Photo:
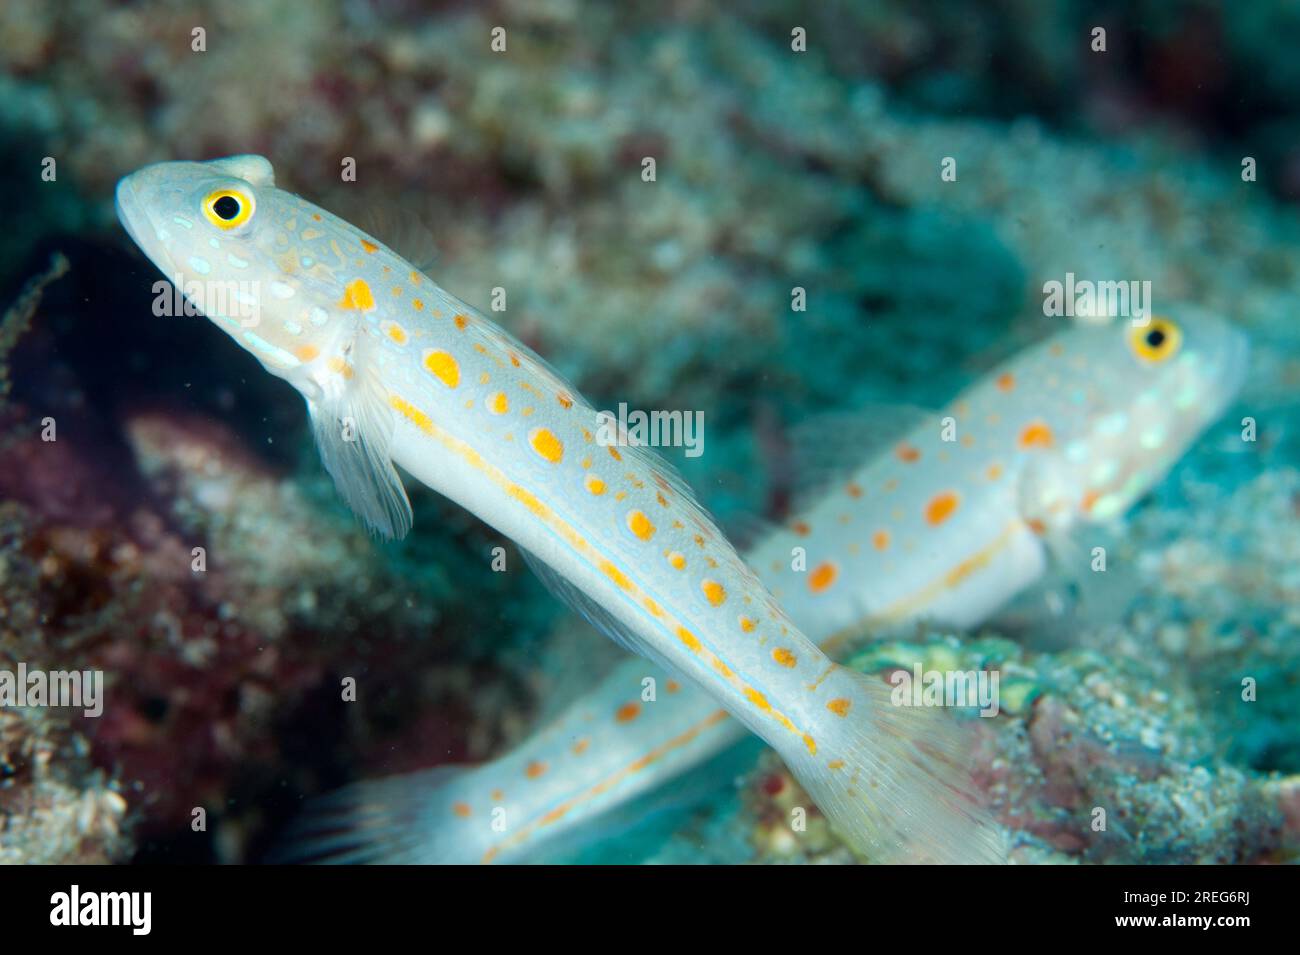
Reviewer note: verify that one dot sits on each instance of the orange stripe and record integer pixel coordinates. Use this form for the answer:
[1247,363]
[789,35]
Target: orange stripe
[606,784]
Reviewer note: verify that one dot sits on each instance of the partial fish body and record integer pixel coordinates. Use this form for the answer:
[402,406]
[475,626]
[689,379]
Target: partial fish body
[395,370]
[1068,433]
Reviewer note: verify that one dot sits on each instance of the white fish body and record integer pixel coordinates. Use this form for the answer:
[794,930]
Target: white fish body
[396,371]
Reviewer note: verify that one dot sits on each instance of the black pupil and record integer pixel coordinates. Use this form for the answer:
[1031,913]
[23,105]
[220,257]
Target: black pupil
[227,207]
[1155,338]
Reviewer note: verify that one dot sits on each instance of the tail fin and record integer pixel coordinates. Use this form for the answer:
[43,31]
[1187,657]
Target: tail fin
[895,781]
[387,821]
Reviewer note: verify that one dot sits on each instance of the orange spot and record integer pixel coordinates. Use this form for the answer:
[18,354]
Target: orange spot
[905,452]
[498,795]
[306,352]
[784,657]
[747,625]
[880,540]
[1036,435]
[994,472]
[594,485]
[514,359]
[370,247]
[613,453]
[758,699]
[535,769]
[1037,526]
[546,444]
[835,764]
[564,400]
[1006,381]
[640,525]
[415,277]
[417,305]
[580,746]
[653,607]
[672,686]
[839,706]
[616,575]
[357,295]
[628,712]
[1089,500]
[316,216]
[810,743]
[714,591]
[677,560]
[822,577]
[800,528]
[461,321]
[396,332]
[853,490]
[340,367]
[940,508]
[460,809]
[688,639]
[443,366]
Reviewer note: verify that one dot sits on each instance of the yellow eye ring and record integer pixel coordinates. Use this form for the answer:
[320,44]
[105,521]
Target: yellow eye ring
[228,208]
[1157,341]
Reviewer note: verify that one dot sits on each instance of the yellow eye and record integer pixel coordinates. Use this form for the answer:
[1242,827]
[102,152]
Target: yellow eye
[1156,341]
[228,208]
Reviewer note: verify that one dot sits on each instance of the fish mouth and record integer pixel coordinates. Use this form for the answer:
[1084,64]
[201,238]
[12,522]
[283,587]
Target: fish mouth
[135,220]
[128,209]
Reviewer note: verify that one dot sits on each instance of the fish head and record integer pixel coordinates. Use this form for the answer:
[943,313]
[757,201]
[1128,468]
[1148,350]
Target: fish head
[1125,400]
[233,244]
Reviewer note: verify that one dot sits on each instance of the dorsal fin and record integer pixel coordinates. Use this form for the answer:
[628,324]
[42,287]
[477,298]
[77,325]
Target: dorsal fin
[830,447]
[253,169]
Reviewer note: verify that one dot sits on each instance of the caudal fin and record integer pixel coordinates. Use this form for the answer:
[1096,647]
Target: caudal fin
[386,821]
[895,781]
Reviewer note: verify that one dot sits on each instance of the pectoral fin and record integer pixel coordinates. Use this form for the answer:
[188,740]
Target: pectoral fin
[353,425]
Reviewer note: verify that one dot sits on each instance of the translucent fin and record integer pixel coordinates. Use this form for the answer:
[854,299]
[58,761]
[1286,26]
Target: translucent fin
[384,821]
[591,610]
[1086,587]
[253,169]
[403,231]
[746,530]
[831,447]
[904,791]
[353,426]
